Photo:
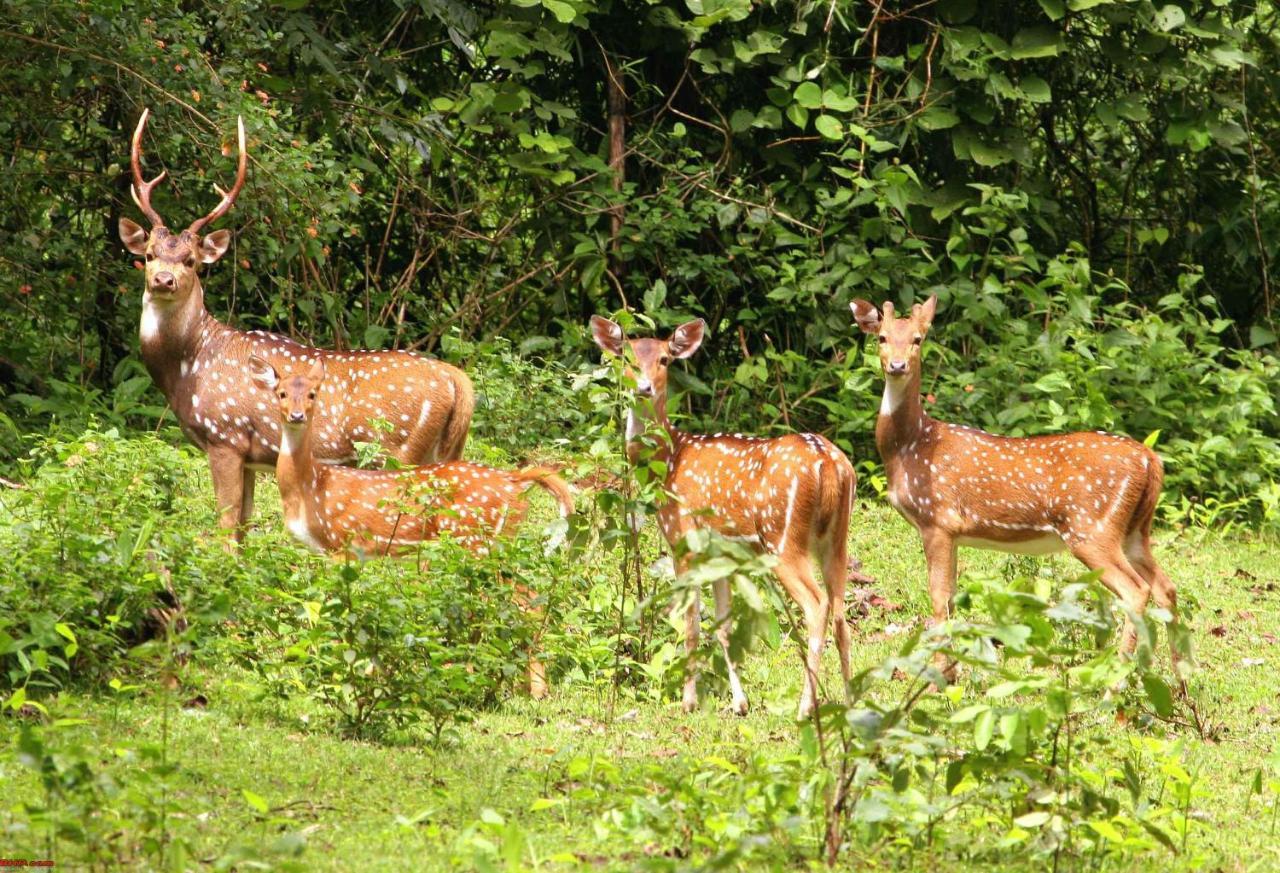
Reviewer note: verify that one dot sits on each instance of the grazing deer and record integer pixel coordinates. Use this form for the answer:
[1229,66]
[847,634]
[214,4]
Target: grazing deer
[381,512]
[787,496]
[198,363]
[1091,493]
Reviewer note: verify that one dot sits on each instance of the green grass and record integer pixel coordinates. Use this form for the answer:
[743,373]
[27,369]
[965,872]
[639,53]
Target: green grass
[410,805]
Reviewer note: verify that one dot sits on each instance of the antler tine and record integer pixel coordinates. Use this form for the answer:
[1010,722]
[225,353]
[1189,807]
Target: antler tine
[141,189]
[228,197]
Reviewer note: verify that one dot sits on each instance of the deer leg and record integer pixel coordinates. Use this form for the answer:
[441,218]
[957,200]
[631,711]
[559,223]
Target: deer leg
[537,671]
[227,467]
[692,623]
[1122,579]
[246,500]
[797,580]
[940,554]
[1138,550]
[720,588]
[835,576]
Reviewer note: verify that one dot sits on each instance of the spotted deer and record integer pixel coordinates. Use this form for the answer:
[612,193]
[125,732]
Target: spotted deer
[199,363]
[789,497]
[1093,494]
[368,513]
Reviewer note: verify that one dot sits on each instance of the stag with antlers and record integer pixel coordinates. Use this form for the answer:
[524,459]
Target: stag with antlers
[199,364]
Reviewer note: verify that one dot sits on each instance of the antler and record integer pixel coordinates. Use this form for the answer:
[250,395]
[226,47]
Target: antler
[228,197]
[141,189]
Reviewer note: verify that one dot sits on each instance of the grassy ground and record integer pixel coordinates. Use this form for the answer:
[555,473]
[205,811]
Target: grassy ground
[387,807]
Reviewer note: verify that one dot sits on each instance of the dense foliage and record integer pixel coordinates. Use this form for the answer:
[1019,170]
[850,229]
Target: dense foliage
[431,174]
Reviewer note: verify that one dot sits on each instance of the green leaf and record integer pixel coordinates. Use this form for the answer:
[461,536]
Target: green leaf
[1032,819]
[984,729]
[257,801]
[1082,5]
[1170,17]
[798,115]
[1159,694]
[938,118]
[1035,42]
[564,12]
[829,127]
[1035,89]
[808,95]
[1107,831]
[1228,56]
[1053,8]
[1260,336]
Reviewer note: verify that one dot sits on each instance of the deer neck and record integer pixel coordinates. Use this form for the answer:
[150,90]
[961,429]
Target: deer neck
[638,419]
[296,475]
[171,334]
[902,417]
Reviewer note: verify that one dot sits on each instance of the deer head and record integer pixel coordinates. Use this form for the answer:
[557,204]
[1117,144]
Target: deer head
[900,338]
[295,395]
[173,260]
[647,365]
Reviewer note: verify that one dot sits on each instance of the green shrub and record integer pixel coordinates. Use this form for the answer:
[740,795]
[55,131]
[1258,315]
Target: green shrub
[384,647]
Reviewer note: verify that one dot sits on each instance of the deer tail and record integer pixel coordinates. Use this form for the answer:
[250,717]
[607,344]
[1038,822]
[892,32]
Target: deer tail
[459,422]
[546,478]
[1145,511]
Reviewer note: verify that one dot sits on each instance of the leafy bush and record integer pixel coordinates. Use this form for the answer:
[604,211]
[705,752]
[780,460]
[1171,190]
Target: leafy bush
[1001,770]
[93,542]
[385,647]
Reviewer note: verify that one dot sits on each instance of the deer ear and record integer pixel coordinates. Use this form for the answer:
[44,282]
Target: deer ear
[686,339]
[215,245]
[866,315]
[607,334]
[133,236]
[316,374]
[263,373]
[924,311]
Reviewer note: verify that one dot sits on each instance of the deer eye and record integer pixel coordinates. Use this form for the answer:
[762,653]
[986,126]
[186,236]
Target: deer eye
[149,257]
[664,360]
[917,340]
[189,261]
[282,395]
[880,338]
[311,395]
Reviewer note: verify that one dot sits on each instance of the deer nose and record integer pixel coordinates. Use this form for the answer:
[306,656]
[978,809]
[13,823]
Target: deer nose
[644,387]
[896,368]
[297,417]
[163,280]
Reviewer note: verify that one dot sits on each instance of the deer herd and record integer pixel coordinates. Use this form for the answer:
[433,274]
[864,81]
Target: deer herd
[255,401]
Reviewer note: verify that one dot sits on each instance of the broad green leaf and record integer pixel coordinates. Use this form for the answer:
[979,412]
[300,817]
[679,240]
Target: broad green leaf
[828,127]
[1053,8]
[808,95]
[1035,42]
[1261,336]
[1036,89]
[1032,819]
[1170,17]
[257,801]
[984,729]
[1159,694]
[938,118]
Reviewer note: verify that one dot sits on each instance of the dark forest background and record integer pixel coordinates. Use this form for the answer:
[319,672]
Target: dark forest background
[1088,185]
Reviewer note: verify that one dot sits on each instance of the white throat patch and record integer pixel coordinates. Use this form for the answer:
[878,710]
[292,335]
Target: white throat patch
[895,391]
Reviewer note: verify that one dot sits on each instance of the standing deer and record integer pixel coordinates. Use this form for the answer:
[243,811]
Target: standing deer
[198,363]
[380,512]
[1091,493]
[788,496]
